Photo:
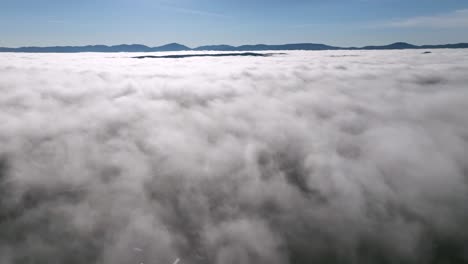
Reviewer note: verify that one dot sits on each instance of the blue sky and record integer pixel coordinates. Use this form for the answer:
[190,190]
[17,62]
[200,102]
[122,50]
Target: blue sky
[199,22]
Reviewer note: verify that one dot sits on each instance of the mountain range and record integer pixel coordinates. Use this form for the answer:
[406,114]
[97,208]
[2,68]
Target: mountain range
[259,47]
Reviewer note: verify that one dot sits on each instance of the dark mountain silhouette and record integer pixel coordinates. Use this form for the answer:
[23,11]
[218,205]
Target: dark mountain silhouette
[446,46]
[171,47]
[129,48]
[98,48]
[258,47]
[397,45]
[217,48]
[300,46]
[89,48]
[244,54]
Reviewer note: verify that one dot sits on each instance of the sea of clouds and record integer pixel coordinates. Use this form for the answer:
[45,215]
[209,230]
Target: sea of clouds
[304,157]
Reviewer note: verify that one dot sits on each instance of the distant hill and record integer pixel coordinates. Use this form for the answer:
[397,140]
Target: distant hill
[171,47]
[98,48]
[72,49]
[394,46]
[258,47]
[447,46]
[217,48]
[300,46]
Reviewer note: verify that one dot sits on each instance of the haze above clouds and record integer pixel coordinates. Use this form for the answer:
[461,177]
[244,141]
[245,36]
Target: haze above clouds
[308,157]
[456,19]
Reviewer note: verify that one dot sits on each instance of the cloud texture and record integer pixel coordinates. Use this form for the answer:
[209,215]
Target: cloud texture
[309,157]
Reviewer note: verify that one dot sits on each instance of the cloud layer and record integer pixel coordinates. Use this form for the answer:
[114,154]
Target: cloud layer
[309,157]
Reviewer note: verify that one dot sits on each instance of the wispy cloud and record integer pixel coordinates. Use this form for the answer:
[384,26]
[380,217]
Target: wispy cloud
[65,22]
[198,12]
[456,19]
[191,11]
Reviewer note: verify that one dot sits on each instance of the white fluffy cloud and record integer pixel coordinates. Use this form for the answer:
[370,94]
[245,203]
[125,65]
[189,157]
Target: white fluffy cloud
[336,157]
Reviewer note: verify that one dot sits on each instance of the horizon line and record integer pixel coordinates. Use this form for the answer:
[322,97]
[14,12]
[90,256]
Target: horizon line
[223,44]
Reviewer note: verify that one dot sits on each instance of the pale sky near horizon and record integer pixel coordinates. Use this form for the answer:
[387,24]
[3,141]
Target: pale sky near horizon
[202,22]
